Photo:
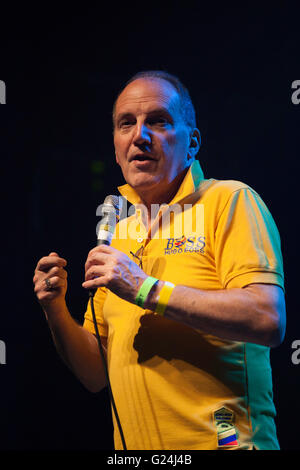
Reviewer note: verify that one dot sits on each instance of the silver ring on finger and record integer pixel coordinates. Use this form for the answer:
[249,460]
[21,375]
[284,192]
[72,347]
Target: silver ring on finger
[48,284]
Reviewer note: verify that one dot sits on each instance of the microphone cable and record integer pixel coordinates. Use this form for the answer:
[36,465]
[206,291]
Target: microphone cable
[91,296]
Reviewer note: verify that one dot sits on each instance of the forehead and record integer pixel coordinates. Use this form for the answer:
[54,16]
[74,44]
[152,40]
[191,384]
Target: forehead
[145,95]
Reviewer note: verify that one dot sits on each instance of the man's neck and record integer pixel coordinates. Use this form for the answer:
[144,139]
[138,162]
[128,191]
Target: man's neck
[157,198]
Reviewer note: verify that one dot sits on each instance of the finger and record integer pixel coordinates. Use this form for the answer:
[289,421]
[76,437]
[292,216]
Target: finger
[94,283]
[47,262]
[55,282]
[102,249]
[44,293]
[97,258]
[57,271]
[94,271]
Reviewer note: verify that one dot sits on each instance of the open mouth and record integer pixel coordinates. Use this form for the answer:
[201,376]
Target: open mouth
[141,158]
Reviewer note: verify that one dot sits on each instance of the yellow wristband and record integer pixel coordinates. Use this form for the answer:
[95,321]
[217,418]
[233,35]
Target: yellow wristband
[163,297]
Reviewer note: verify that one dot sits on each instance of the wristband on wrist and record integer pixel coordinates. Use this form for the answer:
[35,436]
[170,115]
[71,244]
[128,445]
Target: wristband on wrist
[144,290]
[163,297]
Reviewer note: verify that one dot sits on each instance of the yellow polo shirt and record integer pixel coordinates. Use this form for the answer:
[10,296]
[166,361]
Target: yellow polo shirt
[176,387]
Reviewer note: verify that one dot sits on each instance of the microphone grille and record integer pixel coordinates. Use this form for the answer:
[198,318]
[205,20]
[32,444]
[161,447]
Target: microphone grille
[116,202]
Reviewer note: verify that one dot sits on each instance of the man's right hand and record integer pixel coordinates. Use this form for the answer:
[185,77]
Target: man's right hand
[50,280]
[76,345]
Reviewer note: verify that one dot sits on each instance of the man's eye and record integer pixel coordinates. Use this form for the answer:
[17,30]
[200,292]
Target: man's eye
[160,121]
[125,123]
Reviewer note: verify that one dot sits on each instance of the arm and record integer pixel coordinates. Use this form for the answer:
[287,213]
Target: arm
[77,347]
[255,313]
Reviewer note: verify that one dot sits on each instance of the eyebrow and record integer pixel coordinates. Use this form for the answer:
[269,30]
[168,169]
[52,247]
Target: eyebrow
[153,113]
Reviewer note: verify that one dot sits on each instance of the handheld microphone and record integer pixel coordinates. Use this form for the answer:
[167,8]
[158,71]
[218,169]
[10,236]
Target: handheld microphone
[110,211]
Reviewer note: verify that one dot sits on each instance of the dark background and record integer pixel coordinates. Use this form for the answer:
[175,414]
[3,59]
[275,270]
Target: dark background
[62,69]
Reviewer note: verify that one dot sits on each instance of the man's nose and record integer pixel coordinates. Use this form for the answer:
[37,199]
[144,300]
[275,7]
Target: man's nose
[142,135]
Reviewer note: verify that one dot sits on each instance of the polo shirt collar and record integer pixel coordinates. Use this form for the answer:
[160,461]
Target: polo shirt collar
[189,185]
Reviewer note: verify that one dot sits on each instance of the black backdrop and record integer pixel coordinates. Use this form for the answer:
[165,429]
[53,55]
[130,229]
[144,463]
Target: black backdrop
[62,69]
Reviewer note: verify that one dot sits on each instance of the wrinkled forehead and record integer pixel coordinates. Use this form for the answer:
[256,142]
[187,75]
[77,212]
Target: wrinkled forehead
[148,94]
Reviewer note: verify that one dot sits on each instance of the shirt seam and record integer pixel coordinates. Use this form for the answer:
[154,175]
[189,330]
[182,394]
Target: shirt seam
[247,188]
[252,271]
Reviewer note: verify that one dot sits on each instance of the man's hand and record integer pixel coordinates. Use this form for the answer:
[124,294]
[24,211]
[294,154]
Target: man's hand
[108,267]
[50,280]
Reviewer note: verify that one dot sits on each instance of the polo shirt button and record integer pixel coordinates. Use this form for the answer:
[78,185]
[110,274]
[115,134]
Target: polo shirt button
[140,239]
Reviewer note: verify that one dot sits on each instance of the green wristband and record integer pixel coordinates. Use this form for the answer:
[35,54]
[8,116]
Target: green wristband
[144,290]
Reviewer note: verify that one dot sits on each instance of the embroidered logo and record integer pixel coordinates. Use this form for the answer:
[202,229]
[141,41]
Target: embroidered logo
[184,244]
[226,432]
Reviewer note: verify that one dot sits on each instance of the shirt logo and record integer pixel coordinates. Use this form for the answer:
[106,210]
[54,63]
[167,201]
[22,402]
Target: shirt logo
[184,244]
[226,433]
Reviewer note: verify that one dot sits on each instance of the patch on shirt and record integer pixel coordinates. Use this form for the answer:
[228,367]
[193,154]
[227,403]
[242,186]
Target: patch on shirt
[226,432]
[189,244]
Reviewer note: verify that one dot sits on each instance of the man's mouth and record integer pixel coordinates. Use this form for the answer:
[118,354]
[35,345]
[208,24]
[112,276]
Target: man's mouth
[141,158]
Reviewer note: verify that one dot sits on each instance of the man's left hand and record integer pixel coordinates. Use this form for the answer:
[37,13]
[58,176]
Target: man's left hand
[108,267]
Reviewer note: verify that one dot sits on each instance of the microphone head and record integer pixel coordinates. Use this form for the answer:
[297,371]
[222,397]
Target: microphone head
[115,203]
[110,211]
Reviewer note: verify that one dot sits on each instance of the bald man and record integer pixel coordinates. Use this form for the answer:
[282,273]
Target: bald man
[189,362]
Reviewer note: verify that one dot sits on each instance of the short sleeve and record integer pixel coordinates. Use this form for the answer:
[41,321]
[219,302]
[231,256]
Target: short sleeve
[247,242]
[99,299]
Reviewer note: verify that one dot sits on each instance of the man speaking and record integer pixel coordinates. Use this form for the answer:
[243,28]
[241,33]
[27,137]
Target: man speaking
[186,320]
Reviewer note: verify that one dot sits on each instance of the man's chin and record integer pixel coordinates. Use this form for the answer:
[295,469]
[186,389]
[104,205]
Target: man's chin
[142,182]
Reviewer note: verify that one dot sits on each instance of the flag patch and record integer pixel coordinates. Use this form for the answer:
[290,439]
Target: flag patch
[226,435]
[226,432]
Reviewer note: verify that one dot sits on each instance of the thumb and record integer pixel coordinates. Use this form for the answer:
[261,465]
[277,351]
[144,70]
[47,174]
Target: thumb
[53,253]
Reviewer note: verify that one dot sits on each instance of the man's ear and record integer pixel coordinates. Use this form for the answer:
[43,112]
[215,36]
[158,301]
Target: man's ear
[117,160]
[195,142]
